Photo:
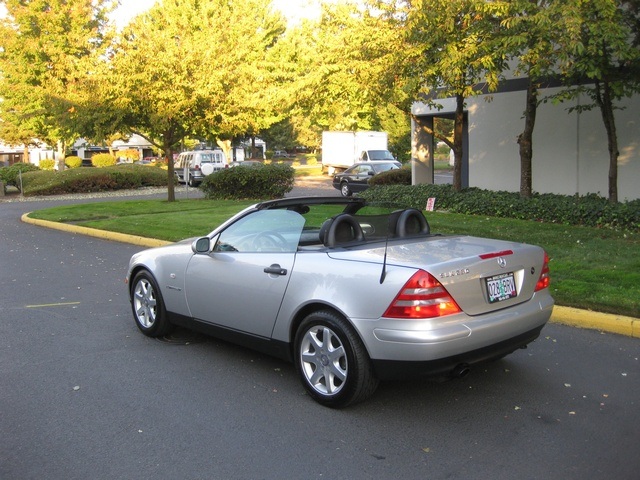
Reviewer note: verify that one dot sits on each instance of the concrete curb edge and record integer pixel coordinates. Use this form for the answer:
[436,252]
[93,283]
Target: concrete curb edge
[574,317]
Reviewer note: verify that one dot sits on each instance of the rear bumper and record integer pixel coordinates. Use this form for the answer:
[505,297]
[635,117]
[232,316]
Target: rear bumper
[398,370]
[431,347]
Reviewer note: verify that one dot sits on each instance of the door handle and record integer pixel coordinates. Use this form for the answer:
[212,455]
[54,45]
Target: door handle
[275,269]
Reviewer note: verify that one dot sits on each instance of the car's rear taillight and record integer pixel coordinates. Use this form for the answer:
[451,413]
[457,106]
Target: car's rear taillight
[543,281]
[197,167]
[422,297]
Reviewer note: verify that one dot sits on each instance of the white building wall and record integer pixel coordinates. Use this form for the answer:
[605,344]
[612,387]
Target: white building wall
[569,149]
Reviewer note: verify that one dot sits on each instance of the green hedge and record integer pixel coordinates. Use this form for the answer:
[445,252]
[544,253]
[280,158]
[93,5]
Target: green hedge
[87,180]
[11,175]
[249,182]
[590,210]
[401,176]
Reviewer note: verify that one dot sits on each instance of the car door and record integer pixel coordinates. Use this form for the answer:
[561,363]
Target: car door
[241,283]
[361,178]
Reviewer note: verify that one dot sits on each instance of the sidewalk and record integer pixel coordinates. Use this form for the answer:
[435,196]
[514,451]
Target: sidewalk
[574,317]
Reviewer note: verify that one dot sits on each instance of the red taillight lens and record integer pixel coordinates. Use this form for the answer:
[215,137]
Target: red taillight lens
[197,167]
[543,281]
[422,297]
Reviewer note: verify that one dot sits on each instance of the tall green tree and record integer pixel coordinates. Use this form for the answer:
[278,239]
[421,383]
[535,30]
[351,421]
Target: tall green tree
[44,49]
[338,65]
[529,36]
[197,68]
[599,55]
[451,51]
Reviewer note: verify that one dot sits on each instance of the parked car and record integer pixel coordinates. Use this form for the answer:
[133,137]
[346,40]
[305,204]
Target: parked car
[356,178]
[280,154]
[192,167]
[351,293]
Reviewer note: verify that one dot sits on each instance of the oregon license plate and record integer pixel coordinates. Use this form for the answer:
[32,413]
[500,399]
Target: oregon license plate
[501,287]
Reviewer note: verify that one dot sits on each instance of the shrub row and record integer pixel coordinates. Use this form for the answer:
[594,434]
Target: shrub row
[11,175]
[249,182]
[87,180]
[589,210]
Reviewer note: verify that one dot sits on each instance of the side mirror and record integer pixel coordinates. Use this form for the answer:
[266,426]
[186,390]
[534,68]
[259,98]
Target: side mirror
[201,245]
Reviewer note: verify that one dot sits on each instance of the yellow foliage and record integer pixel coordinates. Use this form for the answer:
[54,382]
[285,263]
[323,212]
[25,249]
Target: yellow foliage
[47,164]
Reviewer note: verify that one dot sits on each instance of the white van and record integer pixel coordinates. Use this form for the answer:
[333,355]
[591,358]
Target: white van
[197,164]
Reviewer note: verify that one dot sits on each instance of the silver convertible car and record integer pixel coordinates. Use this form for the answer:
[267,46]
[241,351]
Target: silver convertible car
[352,293]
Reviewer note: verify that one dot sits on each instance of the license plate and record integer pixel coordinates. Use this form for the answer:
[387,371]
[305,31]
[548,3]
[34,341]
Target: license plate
[501,287]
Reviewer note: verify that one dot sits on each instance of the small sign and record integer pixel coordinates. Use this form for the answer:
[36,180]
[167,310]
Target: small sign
[431,203]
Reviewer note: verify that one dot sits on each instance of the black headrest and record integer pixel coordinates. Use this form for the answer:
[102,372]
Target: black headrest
[411,222]
[340,230]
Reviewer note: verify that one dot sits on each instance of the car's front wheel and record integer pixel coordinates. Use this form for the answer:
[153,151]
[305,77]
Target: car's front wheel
[345,190]
[332,361]
[148,307]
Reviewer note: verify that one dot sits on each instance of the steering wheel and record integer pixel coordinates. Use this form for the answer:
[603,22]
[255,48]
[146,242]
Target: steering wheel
[269,242]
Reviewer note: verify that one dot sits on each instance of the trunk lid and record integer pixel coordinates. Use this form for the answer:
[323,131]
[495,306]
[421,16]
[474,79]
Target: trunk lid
[482,275]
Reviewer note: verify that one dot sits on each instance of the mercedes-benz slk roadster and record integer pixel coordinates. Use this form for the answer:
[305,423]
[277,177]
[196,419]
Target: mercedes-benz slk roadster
[352,293]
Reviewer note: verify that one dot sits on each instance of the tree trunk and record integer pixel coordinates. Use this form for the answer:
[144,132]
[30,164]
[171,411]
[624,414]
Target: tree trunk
[605,102]
[171,177]
[457,143]
[525,140]
[61,148]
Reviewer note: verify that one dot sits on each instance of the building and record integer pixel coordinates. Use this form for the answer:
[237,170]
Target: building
[570,153]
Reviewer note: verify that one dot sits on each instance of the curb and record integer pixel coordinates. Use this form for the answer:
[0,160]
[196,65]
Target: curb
[570,316]
[93,232]
[605,322]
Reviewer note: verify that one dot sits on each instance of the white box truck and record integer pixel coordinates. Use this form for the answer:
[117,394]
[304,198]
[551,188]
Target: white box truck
[340,150]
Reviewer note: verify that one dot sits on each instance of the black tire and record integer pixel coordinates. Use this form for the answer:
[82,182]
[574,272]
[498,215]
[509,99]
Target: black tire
[345,190]
[332,362]
[192,182]
[148,307]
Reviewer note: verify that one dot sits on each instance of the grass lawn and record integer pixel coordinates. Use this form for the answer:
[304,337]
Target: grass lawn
[591,268]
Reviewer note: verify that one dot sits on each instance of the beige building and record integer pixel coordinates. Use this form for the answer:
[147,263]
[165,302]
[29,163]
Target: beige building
[570,153]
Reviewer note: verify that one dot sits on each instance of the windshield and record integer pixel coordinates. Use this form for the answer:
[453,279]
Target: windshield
[380,155]
[384,167]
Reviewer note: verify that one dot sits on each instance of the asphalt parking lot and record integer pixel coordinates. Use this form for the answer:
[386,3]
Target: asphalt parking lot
[84,395]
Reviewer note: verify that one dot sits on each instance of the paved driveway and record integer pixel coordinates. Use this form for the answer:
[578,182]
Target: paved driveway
[84,395]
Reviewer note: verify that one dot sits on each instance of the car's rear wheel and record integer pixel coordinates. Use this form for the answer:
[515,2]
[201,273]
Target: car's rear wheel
[345,190]
[148,307]
[192,182]
[332,362]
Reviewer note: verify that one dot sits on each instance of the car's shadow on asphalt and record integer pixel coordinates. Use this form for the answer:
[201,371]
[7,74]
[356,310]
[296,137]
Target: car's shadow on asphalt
[497,387]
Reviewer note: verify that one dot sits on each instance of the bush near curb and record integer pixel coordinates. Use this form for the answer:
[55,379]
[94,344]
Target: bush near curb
[101,160]
[589,210]
[90,180]
[255,182]
[73,162]
[10,176]
[47,164]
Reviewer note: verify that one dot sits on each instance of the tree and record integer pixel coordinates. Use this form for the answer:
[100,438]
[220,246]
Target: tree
[338,66]
[196,68]
[450,52]
[44,49]
[529,35]
[599,56]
